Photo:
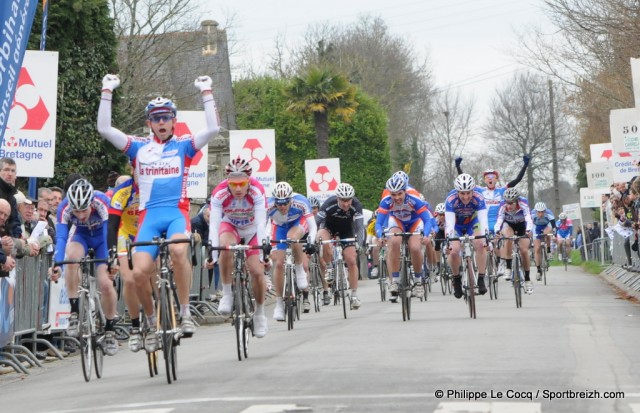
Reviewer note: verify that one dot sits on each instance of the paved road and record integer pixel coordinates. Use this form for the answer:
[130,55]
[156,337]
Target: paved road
[573,335]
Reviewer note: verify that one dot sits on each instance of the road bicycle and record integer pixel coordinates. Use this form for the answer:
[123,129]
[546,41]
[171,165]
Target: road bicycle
[167,304]
[340,286]
[383,273]
[517,277]
[562,254]
[91,318]
[316,288]
[492,273]
[244,304]
[406,284]
[544,257]
[467,271]
[291,294]
[444,271]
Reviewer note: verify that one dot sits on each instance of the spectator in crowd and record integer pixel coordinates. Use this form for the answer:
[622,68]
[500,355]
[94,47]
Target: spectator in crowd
[578,242]
[112,182]
[7,191]
[44,214]
[7,261]
[26,208]
[200,226]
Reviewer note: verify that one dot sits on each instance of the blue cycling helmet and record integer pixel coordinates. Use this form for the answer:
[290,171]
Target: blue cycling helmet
[160,105]
[402,175]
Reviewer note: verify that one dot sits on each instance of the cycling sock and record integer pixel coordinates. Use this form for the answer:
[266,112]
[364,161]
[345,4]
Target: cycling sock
[526,275]
[259,309]
[109,325]
[279,301]
[419,275]
[185,310]
[75,308]
[395,275]
[305,295]
[299,269]
[509,262]
[354,293]
[539,268]
[135,322]
[151,321]
[226,289]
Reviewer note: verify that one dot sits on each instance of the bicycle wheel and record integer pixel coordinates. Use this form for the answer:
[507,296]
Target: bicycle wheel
[490,274]
[249,310]
[382,280]
[166,333]
[85,334]
[404,290]
[288,297]
[544,265]
[152,362]
[316,287]
[471,282]
[97,349]
[517,281]
[238,316]
[342,287]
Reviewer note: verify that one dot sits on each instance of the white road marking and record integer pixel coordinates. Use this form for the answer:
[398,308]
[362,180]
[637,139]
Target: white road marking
[488,407]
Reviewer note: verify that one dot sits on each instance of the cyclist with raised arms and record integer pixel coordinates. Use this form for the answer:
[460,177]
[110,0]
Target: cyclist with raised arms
[239,212]
[161,164]
[291,218]
[341,215]
[544,222]
[492,194]
[88,212]
[466,214]
[403,212]
[514,218]
[564,233]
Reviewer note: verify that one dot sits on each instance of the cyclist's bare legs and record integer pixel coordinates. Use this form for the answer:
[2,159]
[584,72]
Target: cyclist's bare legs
[415,248]
[326,253]
[454,258]
[74,251]
[182,271]
[256,270]
[143,269]
[277,256]
[349,255]
[108,297]
[481,256]
[393,250]
[130,294]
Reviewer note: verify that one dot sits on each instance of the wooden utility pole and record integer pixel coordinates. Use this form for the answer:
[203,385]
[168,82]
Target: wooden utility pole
[554,152]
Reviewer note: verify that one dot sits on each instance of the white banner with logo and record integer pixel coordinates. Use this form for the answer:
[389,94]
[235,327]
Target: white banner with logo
[189,123]
[591,198]
[625,132]
[599,175]
[322,177]
[572,211]
[259,148]
[623,164]
[59,308]
[635,77]
[30,136]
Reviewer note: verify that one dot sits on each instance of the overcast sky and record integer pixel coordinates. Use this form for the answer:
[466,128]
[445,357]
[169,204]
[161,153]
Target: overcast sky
[466,40]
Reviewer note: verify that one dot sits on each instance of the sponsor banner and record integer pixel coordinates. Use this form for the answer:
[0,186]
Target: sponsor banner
[16,18]
[623,164]
[635,77]
[591,198]
[322,177]
[30,137]
[625,132]
[259,148]
[189,123]
[59,308]
[599,175]
[572,211]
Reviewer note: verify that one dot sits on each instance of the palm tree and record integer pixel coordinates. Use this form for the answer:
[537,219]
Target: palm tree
[322,92]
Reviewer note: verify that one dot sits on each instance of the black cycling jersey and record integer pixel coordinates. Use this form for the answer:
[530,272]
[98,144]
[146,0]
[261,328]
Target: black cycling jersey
[338,221]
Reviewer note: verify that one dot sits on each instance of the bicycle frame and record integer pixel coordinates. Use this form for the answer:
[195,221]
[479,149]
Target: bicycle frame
[468,273]
[341,280]
[290,292]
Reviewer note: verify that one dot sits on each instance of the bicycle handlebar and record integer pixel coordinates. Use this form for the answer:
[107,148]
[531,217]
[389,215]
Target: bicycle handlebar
[160,242]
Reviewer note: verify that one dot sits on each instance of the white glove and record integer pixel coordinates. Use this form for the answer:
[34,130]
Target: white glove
[110,82]
[203,83]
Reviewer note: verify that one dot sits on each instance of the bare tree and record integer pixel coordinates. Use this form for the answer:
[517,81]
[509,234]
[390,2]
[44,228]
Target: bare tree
[520,124]
[384,66]
[161,47]
[449,132]
[588,51]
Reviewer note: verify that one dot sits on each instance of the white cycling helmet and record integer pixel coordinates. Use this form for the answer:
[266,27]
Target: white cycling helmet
[562,216]
[440,209]
[80,194]
[315,202]
[540,207]
[511,195]
[396,183]
[160,105]
[282,190]
[402,175]
[464,182]
[345,191]
[238,168]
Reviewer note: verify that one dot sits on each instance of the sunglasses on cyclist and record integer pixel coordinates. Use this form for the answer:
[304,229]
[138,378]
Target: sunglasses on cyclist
[238,184]
[510,202]
[160,118]
[283,202]
[344,199]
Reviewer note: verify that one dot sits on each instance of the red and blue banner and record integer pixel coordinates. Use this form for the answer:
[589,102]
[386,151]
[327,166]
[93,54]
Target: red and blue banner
[16,18]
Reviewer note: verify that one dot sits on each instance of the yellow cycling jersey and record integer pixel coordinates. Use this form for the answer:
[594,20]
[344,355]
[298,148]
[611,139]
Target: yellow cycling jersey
[125,202]
[371,228]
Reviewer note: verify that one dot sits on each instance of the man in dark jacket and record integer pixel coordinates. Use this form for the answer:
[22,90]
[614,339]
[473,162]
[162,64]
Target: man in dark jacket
[7,191]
